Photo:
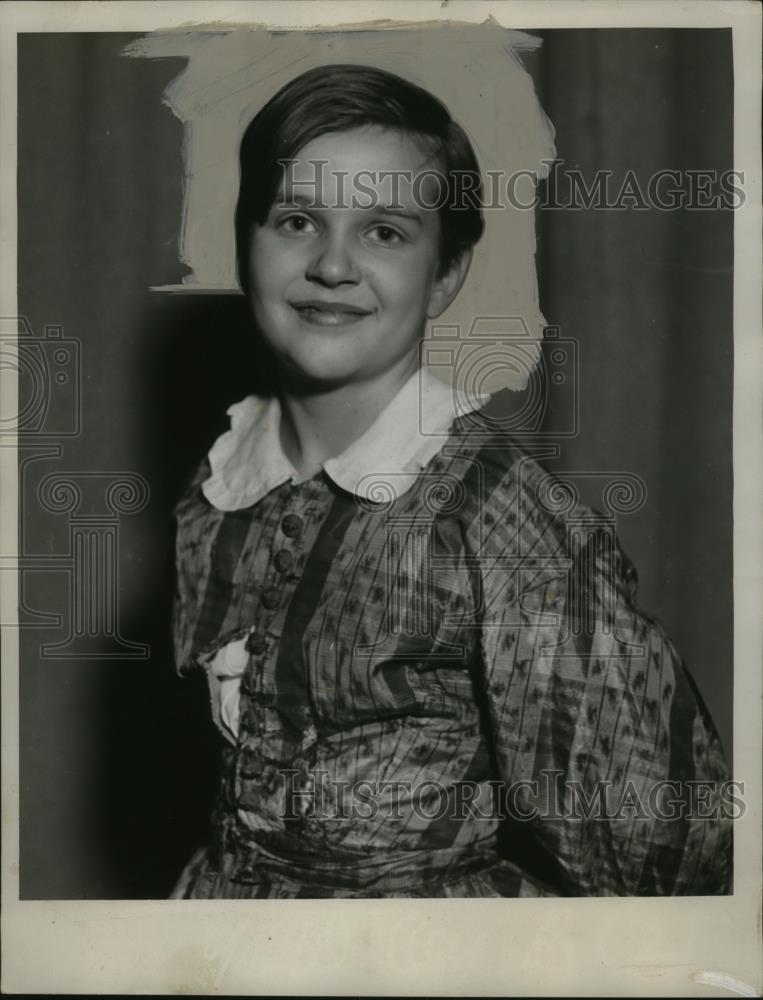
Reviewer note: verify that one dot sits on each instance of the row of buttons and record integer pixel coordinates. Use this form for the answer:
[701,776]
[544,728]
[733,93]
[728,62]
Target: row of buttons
[291,526]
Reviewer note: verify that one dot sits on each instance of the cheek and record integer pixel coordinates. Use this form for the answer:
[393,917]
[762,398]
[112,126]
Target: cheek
[269,268]
[408,280]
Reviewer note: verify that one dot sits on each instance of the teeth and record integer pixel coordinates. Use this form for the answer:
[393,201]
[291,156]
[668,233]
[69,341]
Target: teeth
[328,317]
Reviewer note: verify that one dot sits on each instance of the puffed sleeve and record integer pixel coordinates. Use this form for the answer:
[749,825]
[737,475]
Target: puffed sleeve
[612,775]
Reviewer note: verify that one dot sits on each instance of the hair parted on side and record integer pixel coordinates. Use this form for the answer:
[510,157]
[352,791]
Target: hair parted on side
[340,98]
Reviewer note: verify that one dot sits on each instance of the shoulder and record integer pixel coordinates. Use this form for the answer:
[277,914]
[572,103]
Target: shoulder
[190,492]
[516,509]
[223,473]
[506,487]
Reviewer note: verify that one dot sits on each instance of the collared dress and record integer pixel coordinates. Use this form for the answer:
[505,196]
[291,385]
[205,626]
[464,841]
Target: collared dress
[432,677]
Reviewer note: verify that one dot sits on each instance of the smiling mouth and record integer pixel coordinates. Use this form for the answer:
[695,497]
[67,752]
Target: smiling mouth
[329,313]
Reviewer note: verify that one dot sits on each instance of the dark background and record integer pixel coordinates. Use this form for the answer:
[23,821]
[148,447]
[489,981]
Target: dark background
[117,755]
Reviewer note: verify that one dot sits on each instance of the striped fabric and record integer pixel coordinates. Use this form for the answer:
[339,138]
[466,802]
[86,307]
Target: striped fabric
[449,691]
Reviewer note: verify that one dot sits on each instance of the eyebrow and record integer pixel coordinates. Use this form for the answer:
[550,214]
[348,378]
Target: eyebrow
[285,199]
[394,210]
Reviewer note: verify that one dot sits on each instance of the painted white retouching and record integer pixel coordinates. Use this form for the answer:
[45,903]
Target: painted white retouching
[489,338]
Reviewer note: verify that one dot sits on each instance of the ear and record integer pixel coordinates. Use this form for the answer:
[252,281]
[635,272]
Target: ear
[448,284]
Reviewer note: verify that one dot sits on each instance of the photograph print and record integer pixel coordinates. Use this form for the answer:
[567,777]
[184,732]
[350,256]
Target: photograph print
[375,462]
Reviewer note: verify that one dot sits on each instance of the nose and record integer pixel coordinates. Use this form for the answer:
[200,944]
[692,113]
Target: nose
[333,263]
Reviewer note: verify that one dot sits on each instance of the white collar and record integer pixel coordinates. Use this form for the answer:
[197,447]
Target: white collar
[247,462]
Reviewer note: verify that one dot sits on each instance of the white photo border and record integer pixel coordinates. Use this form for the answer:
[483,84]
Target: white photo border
[695,946]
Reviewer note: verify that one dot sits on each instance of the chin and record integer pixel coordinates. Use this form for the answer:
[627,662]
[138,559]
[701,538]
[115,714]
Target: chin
[325,373]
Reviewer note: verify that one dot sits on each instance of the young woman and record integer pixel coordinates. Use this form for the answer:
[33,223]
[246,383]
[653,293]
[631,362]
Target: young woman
[428,683]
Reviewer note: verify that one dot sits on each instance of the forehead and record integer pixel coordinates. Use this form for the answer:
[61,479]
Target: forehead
[389,163]
[367,149]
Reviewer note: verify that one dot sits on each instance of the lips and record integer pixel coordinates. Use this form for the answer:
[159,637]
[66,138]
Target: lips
[319,313]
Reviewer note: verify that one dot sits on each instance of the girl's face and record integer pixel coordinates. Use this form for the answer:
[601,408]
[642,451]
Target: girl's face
[345,272]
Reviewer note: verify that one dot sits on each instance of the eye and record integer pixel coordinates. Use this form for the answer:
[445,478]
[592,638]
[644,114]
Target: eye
[386,235]
[297,224]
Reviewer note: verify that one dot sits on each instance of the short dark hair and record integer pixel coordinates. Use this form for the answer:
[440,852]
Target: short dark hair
[339,98]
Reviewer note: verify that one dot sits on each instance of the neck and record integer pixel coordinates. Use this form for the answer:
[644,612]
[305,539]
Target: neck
[320,423]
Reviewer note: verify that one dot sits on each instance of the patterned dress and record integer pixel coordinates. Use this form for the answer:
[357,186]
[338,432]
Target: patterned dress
[435,683]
